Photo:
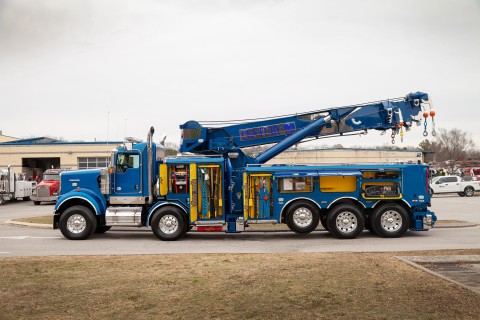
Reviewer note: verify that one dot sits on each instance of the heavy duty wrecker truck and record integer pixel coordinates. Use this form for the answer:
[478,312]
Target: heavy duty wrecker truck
[215,186]
[15,186]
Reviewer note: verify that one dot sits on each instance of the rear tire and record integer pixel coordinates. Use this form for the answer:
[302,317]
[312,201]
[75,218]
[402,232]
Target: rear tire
[169,224]
[389,221]
[345,221]
[77,223]
[302,217]
[469,192]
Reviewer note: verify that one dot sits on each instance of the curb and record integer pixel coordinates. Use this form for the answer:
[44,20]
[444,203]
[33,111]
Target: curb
[28,224]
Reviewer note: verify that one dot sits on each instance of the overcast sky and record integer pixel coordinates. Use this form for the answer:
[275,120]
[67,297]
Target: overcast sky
[103,69]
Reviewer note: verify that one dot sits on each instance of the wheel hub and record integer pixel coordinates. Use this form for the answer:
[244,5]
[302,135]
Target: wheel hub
[391,221]
[302,217]
[76,223]
[168,224]
[346,222]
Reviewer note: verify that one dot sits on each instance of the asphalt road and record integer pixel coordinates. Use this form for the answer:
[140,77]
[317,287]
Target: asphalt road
[22,241]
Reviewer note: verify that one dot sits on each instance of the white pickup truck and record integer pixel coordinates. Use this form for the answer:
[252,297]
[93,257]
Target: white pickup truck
[454,184]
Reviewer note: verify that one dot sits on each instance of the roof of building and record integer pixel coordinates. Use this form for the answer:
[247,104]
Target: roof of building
[50,141]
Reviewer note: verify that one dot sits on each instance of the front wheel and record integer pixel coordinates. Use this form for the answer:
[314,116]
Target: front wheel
[345,221]
[78,223]
[461,194]
[302,217]
[469,192]
[389,221]
[169,224]
[36,203]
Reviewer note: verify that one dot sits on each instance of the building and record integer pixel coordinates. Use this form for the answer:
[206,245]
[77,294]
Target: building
[35,155]
[348,155]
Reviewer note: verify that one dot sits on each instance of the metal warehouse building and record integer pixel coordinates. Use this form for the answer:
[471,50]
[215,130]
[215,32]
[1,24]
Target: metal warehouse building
[348,155]
[33,156]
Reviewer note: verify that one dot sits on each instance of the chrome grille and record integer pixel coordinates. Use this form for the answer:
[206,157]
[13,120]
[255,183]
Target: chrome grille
[43,191]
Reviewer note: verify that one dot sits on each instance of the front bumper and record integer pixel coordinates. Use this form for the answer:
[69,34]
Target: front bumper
[38,198]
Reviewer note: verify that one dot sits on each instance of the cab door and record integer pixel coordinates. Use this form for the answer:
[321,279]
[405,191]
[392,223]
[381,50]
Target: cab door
[206,192]
[128,174]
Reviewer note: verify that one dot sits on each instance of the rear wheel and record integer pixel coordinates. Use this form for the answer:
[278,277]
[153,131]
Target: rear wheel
[389,221]
[469,192]
[77,223]
[345,221]
[169,224]
[302,217]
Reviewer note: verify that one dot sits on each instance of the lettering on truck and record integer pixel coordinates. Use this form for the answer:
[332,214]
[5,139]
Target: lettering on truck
[272,130]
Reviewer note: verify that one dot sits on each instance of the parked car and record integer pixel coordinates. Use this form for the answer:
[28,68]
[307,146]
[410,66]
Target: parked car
[454,184]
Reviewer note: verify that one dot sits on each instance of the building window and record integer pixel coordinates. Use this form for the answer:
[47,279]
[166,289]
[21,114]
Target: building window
[93,162]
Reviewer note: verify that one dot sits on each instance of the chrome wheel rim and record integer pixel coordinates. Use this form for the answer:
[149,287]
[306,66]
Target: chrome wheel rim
[76,223]
[391,221]
[168,224]
[302,217]
[469,192]
[346,222]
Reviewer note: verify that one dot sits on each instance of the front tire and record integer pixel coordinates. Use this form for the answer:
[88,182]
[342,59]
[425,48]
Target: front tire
[345,221]
[77,223]
[302,217]
[169,224]
[389,221]
[36,203]
[469,192]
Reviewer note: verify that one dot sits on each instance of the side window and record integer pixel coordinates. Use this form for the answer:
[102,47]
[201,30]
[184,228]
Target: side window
[126,161]
[451,179]
[287,185]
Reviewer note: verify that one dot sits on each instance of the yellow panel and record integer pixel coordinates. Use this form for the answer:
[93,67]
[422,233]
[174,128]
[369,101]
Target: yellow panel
[245,197]
[163,180]
[338,184]
[193,193]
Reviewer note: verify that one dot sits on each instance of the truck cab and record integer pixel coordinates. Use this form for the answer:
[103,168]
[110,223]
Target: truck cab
[49,188]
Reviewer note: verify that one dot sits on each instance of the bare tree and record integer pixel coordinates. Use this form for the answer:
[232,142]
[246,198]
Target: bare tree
[453,144]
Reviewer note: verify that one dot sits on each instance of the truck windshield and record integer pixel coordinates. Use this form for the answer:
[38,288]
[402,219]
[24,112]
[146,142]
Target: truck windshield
[51,177]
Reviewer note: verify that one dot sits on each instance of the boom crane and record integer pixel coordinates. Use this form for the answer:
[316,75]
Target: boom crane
[286,131]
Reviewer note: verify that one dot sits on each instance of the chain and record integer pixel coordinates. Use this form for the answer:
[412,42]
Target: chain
[434,133]
[425,132]
[393,136]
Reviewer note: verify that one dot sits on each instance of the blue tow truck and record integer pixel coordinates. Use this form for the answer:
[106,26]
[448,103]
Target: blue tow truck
[215,186]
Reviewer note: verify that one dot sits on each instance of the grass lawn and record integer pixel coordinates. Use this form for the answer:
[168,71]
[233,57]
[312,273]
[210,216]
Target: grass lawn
[230,286]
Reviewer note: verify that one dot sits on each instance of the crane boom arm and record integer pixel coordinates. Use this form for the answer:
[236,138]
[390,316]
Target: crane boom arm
[289,130]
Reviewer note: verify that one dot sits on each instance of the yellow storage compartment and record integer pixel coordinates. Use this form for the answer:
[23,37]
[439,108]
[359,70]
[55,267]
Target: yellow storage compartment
[338,184]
